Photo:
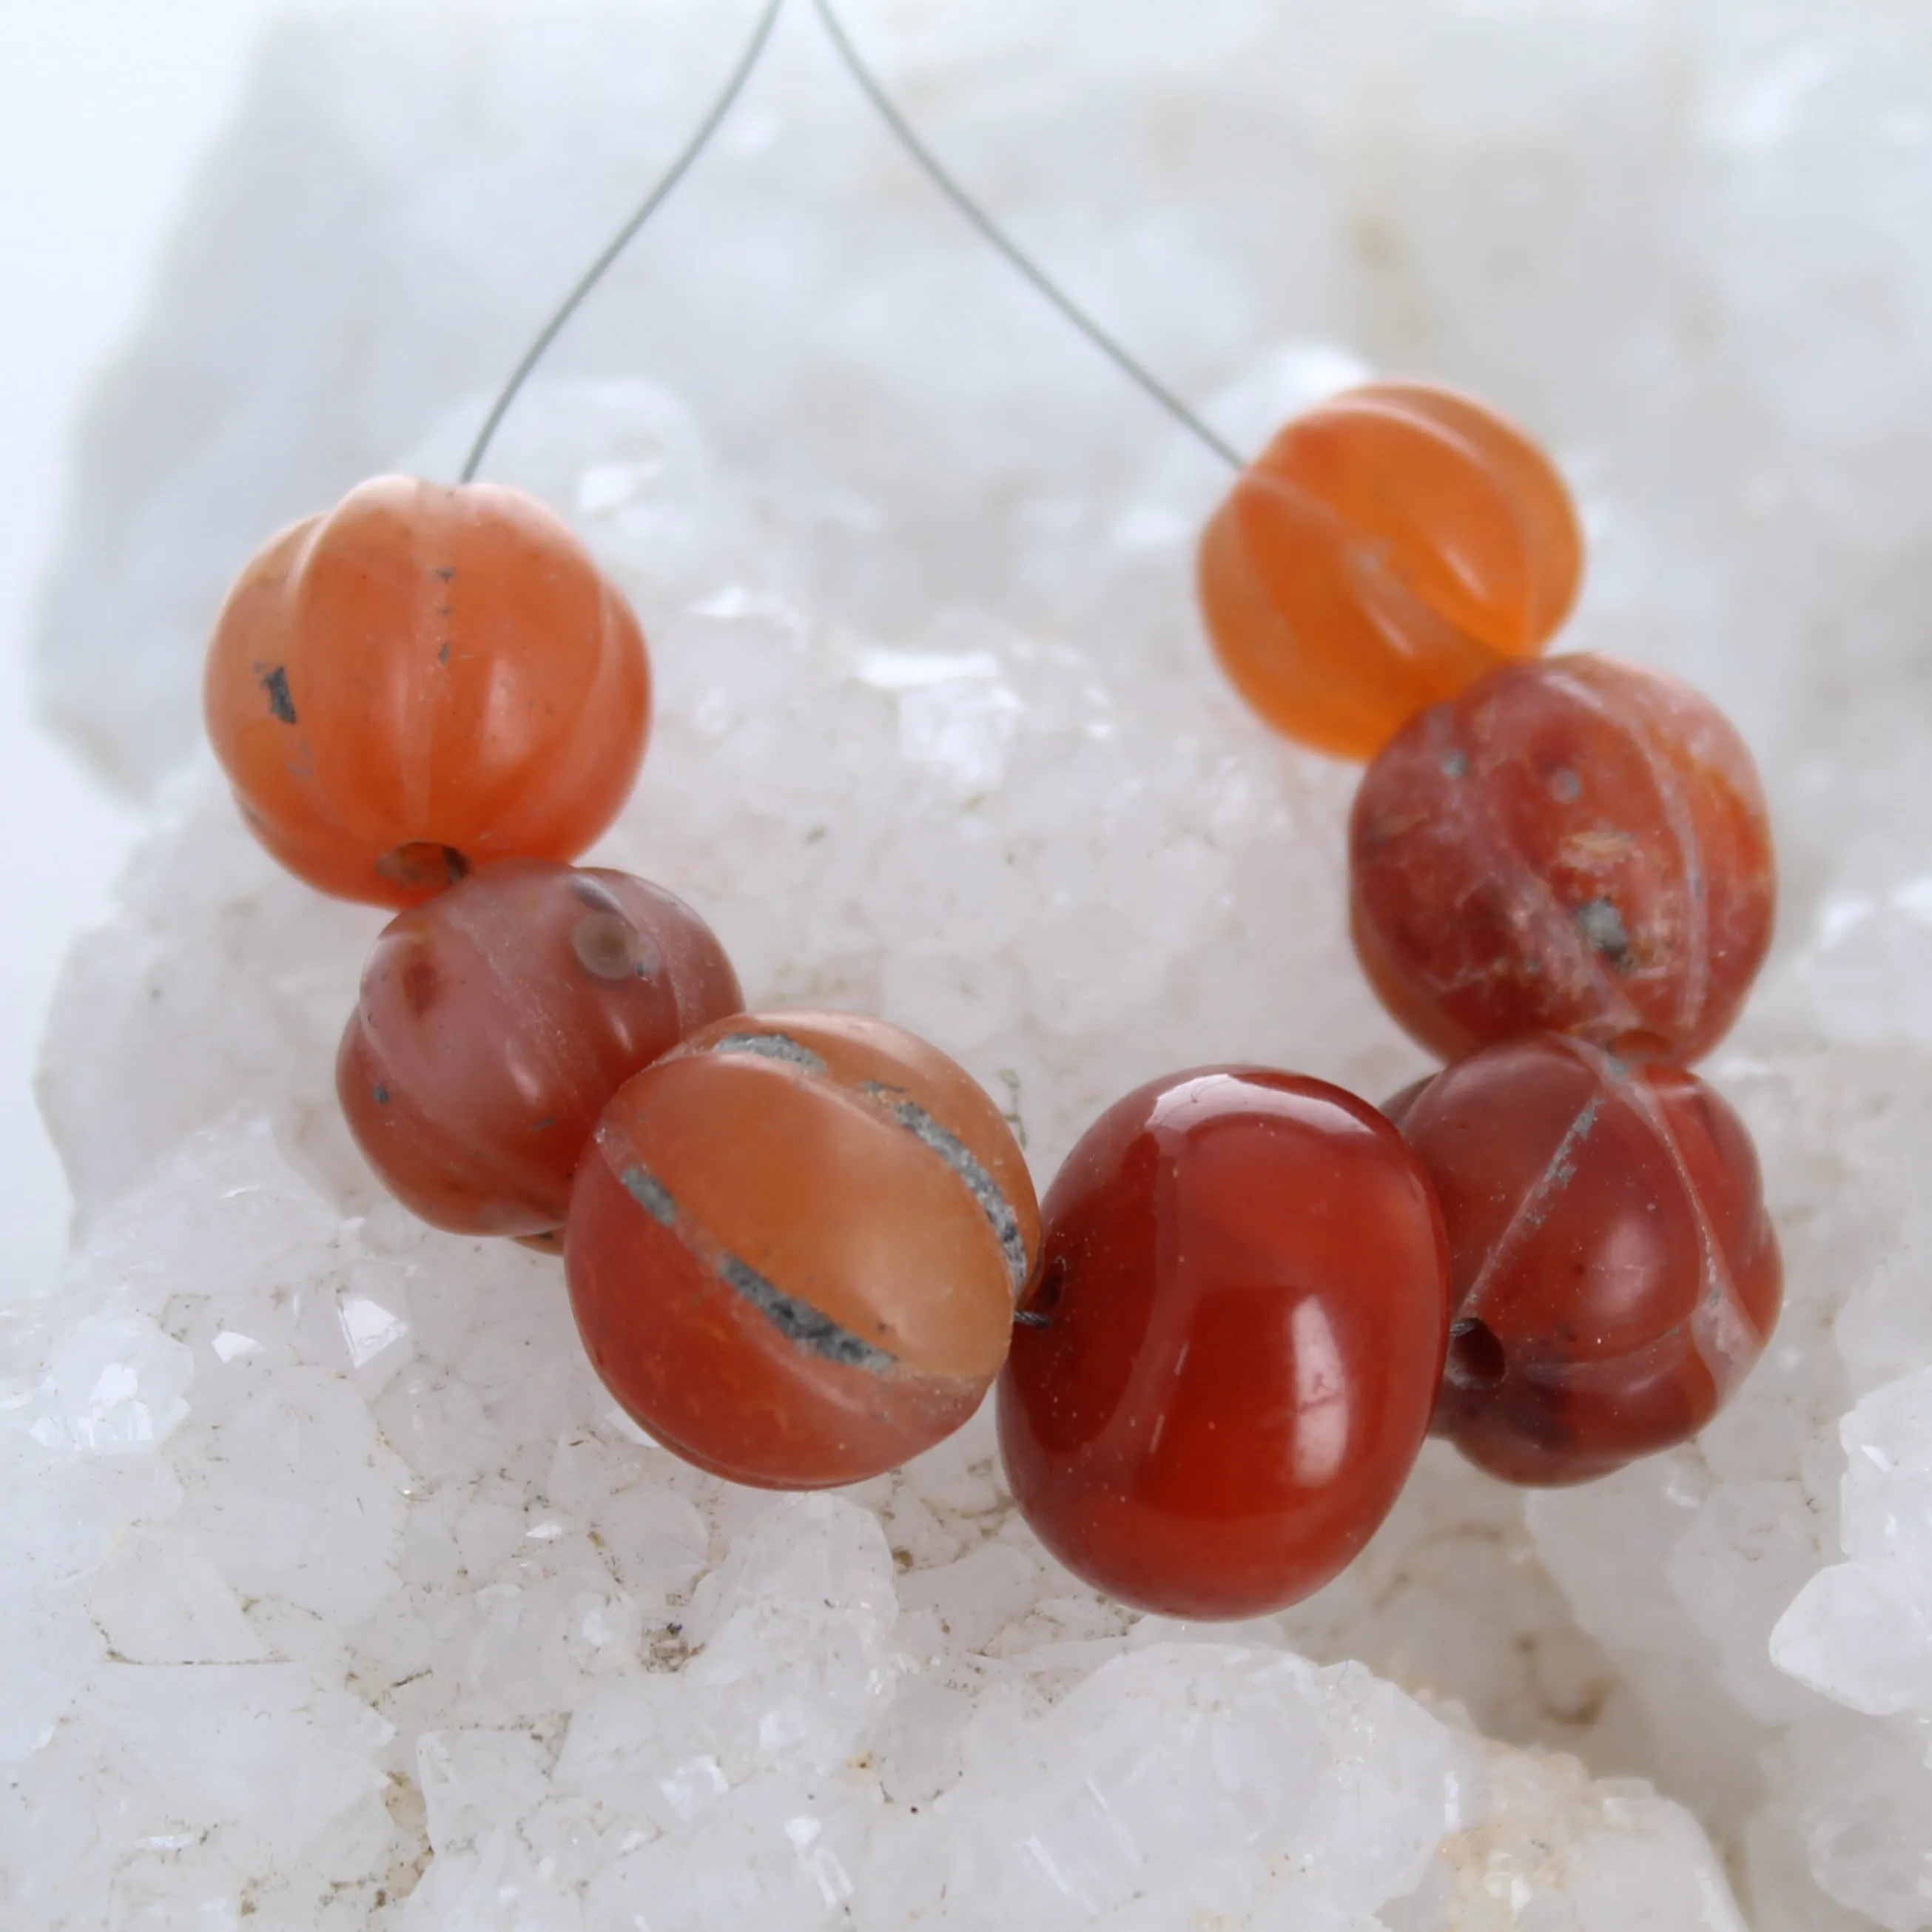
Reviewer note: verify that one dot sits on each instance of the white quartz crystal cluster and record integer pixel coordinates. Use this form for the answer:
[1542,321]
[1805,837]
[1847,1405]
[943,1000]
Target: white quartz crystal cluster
[336,1594]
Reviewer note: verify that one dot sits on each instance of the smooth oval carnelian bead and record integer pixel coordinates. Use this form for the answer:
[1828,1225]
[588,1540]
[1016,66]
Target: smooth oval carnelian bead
[1614,1272]
[1387,548]
[496,1020]
[1580,844]
[423,680]
[795,1246]
[1243,1306]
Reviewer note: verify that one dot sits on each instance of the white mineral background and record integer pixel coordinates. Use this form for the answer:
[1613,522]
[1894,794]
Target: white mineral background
[337,1594]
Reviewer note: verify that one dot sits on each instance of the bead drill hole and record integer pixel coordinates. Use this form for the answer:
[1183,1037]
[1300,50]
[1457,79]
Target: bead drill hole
[422,862]
[1038,1312]
[1476,1358]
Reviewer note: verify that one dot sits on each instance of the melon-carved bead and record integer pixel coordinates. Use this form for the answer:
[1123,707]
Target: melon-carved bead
[1580,844]
[1387,548]
[795,1246]
[421,680]
[1615,1273]
[496,1020]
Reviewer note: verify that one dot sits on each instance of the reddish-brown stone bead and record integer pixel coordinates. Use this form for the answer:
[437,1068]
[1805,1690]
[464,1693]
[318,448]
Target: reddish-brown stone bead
[496,1020]
[795,1246]
[1387,547]
[1614,1272]
[422,680]
[1241,1314]
[1580,844]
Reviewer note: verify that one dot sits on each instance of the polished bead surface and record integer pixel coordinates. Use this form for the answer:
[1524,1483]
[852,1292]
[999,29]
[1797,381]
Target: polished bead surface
[1615,1273]
[1580,844]
[1387,548]
[1227,1370]
[795,1247]
[421,680]
[496,1020]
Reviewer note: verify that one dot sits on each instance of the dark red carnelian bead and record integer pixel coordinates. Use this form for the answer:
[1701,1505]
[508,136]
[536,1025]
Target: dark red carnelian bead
[423,680]
[1580,844]
[496,1020]
[795,1245]
[1614,1272]
[1242,1312]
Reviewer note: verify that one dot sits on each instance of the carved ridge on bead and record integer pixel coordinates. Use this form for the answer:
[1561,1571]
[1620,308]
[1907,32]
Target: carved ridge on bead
[1552,934]
[595,893]
[650,1194]
[1533,1209]
[993,1203]
[801,1323]
[770,1046]
[931,1134]
[1721,1329]
[794,1318]
[1693,996]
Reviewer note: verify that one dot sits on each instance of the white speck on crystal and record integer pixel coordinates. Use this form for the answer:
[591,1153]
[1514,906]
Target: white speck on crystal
[369,1328]
[915,670]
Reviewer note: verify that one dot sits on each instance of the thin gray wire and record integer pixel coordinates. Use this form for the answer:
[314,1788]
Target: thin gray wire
[902,129]
[655,199]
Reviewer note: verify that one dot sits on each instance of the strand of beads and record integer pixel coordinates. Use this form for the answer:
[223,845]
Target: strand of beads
[1258,1294]
[794,1242]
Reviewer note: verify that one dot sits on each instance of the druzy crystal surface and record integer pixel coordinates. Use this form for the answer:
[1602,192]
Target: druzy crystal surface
[337,1595]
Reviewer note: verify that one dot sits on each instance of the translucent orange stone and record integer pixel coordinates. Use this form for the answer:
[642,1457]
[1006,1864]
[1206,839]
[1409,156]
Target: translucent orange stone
[496,1020]
[1580,844]
[1615,1273]
[1387,548]
[1227,1370]
[795,1246]
[423,680]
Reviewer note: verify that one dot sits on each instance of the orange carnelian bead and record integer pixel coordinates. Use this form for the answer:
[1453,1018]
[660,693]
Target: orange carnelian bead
[423,679]
[795,1246]
[1229,1363]
[1385,550]
[1615,1273]
[495,1021]
[1580,844]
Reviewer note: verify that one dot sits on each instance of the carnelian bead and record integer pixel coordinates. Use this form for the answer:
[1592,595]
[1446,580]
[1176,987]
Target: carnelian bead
[795,1246]
[1580,844]
[423,680]
[496,1020]
[1614,1272]
[1387,548]
[1236,1341]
